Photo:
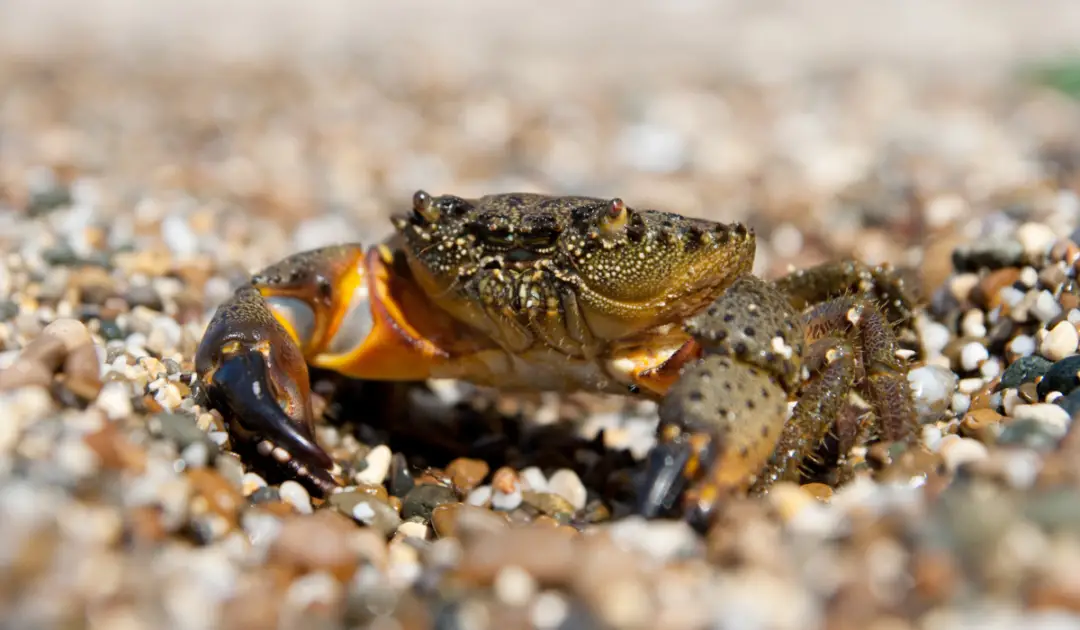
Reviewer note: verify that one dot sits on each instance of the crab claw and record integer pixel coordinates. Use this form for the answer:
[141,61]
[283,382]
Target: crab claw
[664,482]
[254,372]
[243,384]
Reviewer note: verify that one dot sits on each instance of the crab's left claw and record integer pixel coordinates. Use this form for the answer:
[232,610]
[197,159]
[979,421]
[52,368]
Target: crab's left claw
[255,373]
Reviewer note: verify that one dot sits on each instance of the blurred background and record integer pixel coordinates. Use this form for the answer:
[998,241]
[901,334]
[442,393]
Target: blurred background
[247,129]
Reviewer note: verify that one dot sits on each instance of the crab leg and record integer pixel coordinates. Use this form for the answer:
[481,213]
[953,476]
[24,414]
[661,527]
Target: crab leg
[333,307]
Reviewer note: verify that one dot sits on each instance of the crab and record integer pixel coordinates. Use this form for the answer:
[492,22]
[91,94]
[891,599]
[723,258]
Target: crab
[528,292]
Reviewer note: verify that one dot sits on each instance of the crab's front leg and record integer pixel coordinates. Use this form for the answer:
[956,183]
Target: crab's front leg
[331,307]
[720,422]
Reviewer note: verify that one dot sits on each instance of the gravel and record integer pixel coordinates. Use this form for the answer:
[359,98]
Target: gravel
[136,190]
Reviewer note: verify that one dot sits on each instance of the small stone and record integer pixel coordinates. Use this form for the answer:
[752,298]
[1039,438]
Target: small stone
[377,465]
[296,495]
[932,387]
[567,484]
[549,503]
[413,529]
[467,473]
[506,490]
[322,541]
[367,510]
[1062,376]
[1020,346]
[1045,307]
[251,482]
[401,480]
[1060,342]
[972,355]
[1049,414]
[421,500]
[1025,370]
[459,519]
[957,451]
[1036,239]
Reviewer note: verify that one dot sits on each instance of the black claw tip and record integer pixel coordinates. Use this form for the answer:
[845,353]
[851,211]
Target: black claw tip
[242,384]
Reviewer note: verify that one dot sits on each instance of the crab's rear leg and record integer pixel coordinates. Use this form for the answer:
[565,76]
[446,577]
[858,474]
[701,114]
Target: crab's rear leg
[329,307]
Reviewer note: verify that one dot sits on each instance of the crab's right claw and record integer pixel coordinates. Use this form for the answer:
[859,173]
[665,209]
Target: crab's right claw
[254,372]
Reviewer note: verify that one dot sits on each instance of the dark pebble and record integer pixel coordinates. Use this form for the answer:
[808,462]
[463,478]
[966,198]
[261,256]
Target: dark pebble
[110,330]
[995,253]
[401,479]
[380,516]
[421,500]
[1024,370]
[8,310]
[1063,376]
[60,256]
[48,199]
[1070,403]
[144,295]
[265,494]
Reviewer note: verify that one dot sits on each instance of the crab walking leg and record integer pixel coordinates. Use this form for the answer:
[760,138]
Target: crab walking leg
[830,280]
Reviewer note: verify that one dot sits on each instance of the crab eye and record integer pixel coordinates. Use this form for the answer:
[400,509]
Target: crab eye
[424,208]
[615,218]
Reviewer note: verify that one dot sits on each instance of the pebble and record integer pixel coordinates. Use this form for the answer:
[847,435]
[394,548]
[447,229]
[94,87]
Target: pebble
[957,451]
[567,484]
[972,355]
[1062,376]
[1025,370]
[296,495]
[377,466]
[1060,342]
[467,473]
[1045,307]
[506,492]
[422,499]
[1049,414]
[367,510]
[1036,239]
[932,387]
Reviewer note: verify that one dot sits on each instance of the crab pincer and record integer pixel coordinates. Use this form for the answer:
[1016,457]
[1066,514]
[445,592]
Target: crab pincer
[312,308]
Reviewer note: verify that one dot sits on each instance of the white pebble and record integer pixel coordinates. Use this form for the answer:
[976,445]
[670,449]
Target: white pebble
[533,479]
[957,451]
[973,324]
[514,586]
[413,529]
[960,403]
[1021,346]
[479,496]
[1060,342]
[1035,238]
[1045,307]
[567,484]
[296,495]
[1029,277]
[990,368]
[972,355]
[115,400]
[506,501]
[378,465]
[932,387]
[935,337]
[931,436]
[1073,316]
[1047,414]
